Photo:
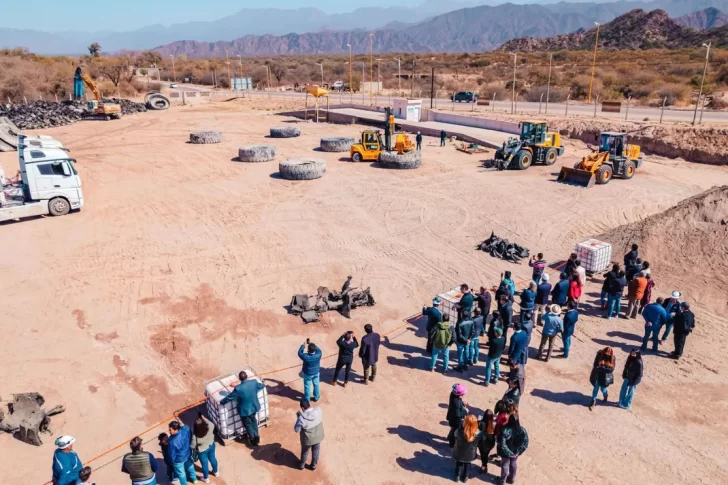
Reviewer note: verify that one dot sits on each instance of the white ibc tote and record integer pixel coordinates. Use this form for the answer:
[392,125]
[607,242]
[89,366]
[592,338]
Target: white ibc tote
[226,417]
[595,255]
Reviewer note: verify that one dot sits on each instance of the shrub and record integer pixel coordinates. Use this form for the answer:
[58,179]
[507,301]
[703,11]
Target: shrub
[675,94]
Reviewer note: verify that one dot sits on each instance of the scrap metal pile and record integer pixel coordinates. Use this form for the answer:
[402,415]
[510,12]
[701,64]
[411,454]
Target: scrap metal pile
[27,418]
[310,307]
[502,248]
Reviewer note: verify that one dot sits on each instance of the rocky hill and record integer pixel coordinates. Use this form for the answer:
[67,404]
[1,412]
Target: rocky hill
[708,18]
[636,29]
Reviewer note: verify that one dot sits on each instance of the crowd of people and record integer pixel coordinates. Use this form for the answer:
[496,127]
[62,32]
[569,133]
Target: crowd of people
[553,308]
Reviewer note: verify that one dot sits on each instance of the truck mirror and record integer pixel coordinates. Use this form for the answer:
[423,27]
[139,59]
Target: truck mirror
[66,170]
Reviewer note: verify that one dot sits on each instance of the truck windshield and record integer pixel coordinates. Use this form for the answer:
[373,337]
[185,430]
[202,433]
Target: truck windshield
[72,165]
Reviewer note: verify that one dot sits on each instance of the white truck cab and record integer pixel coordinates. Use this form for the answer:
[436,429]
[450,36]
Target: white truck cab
[49,184]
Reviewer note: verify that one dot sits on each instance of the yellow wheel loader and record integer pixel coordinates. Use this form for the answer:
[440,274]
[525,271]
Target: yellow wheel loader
[372,145]
[613,158]
[535,145]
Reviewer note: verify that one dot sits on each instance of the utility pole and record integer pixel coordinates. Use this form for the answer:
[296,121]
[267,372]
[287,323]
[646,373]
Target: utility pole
[399,74]
[227,61]
[432,86]
[174,71]
[351,78]
[240,63]
[513,86]
[594,63]
[371,66]
[705,70]
[379,76]
[321,65]
[548,85]
[412,80]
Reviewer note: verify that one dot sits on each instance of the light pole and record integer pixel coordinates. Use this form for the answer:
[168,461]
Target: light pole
[379,75]
[351,78]
[174,71]
[240,61]
[371,65]
[705,70]
[548,85]
[227,61]
[399,74]
[267,75]
[594,62]
[513,87]
[321,65]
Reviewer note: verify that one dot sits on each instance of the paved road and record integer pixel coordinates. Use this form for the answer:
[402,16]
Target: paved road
[575,109]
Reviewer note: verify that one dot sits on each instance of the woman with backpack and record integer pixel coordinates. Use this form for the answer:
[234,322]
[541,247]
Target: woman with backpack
[602,374]
[512,443]
[467,441]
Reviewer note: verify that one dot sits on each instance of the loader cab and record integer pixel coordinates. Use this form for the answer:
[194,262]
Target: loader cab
[533,132]
[368,148]
[613,143]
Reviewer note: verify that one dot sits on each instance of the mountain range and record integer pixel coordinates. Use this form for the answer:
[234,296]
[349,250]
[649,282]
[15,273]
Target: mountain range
[708,18]
[432,26]
[634,30]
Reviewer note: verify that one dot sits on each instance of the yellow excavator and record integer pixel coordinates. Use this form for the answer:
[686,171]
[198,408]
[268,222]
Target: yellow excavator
[613,157]
[98,109]
[372,145]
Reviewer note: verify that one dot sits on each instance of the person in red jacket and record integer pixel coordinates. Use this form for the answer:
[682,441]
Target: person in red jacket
[575,286]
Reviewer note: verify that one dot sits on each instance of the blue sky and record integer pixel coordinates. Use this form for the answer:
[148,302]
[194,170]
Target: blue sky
[94,15]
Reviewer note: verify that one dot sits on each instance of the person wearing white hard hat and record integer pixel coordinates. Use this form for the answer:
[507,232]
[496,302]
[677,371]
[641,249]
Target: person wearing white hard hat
[672,307]
[418,139]
[66,463]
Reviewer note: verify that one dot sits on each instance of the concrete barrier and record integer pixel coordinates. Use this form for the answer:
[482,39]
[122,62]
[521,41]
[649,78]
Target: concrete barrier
[611,106]
[488,124]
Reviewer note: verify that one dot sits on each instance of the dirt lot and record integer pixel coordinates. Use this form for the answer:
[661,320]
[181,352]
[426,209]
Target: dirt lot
[180,264]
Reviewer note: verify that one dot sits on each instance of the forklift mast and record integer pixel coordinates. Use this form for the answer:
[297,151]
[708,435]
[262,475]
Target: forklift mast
[388,128]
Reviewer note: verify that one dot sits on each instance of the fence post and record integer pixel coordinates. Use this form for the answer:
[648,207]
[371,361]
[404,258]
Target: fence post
[539,103]
[567,105]
[596,102]
[493,101]
[662,111]
[627,113]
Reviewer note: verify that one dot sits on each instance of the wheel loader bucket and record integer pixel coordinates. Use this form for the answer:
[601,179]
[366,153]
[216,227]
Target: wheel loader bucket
[575,176]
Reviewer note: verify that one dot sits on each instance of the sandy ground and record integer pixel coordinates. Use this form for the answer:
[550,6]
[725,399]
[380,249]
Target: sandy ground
[180,264]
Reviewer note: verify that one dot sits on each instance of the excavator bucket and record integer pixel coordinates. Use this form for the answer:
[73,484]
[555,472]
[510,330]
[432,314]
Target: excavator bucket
[575,176]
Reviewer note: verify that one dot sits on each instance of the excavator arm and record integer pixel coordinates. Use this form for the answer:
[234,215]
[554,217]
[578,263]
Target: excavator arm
[91,85]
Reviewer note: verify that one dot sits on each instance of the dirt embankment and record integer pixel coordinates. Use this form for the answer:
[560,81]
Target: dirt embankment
[686,245]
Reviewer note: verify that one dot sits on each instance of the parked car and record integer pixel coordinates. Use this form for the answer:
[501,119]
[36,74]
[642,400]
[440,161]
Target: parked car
[173,85]
[464,96]
[338,86]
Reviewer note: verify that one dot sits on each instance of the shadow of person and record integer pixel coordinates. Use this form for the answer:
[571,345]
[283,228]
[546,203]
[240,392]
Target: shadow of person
[428,463]
[279,388]
[416,436]
[275,454]
[568,398]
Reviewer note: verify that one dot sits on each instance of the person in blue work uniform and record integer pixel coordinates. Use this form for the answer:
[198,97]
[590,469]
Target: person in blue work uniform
[672,308]
[180,440]
[570,318]
[311,369]
[77,84]
[66,463]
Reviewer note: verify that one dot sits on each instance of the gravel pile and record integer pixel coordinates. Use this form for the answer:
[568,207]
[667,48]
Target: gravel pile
[47,114]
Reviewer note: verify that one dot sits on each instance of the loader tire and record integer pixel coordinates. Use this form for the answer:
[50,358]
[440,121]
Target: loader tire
[257,153]
[550,157]
[629,170]
[337,144]
[405,161]
[205,137]
[523,159]
[285,132]
[302,168]
[604,175]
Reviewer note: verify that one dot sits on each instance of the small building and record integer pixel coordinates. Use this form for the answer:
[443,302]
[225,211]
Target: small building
[407,109]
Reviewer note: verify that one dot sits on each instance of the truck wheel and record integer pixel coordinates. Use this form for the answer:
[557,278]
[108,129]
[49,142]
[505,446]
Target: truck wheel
[356,157]
[629,170]
[59,206]
[523,160]
[551,155]
[604,174]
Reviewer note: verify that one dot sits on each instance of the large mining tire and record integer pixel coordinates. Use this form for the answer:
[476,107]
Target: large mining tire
[337,144]
[285,132]
[257,153]
[205,137]
[404,161]
[302,168]
[157,102]
[151,94]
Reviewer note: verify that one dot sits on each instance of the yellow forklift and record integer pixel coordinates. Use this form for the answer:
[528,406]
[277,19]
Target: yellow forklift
[535,145]
[613,157]
[371,145]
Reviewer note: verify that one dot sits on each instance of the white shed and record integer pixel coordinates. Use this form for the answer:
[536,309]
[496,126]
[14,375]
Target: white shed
[407,109]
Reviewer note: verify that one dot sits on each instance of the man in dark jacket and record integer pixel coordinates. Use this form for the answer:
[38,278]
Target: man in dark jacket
[518,349]
[346,343]
[496,346]
[443,137]
[632,376]
[608,277]
[246,394]
[560,293]
[570,318]
[631,256]
[369,352]
[465,307]
[434,317]
[478,331]
[614,295]
[180,454]
[528,299]
[311,369]
[464,333]
[456,411]
[505,309]
[542,297]
[418,139]
[633,270]
[672,308]
[684,325]
[484,301]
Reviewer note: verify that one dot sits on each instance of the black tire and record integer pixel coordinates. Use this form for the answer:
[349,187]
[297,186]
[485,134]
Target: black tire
[550,156]
[405,161]
[523,159]
[285,132]
[302,168]
[58,206]
[337,144]
[156,101]
[629,169]
[257,153]
[604,174]
[205,137]
[356,157]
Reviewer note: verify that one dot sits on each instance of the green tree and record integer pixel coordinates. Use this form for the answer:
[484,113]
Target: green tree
[95,49]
